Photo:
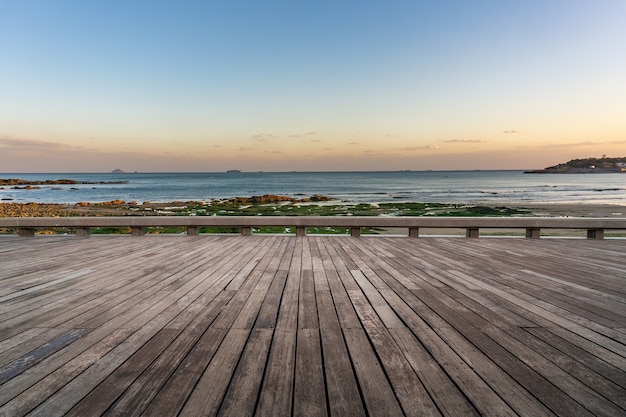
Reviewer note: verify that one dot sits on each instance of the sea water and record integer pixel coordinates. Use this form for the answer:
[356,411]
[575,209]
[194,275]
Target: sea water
[471,187]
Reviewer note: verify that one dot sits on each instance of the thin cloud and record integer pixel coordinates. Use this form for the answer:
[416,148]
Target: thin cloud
[572,145]
[28,145]
[465,141]
[263,137]
[353,143]
[301,135]
[316,140]
[511,131]
[420,148]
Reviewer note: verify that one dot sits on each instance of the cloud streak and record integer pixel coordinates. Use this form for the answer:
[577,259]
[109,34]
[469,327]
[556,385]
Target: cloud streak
[420,148]
[28,145]
[571,145]
[302,135]
[465,141]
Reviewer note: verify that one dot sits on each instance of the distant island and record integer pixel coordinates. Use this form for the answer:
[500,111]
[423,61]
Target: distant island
[602,165]
[118,171]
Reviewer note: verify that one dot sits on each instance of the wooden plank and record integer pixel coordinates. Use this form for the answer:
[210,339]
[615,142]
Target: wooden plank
[268,313]
[448,397]
[243,391]
[288,313]
[573,387]
[374,299]
[345,311]
[258,297]
[378,394]
[581,355]
[566,374]
[307,309]
[276,396]
[145,332]
[105,394]
[100,307]
[341,385]
[72,392]
[319,271]
[206,397]
[295,267]
[174,394]
[549,318]
[24,362]
[309,396]
[24,393]
[480,327]
[482,396]
[412,395]
[138,396]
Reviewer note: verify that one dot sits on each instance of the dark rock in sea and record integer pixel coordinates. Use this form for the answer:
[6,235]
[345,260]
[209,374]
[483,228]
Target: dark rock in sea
[26,187]
[18,181]
[271,198]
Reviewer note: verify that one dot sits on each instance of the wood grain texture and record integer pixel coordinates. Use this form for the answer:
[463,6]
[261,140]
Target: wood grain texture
[312,325]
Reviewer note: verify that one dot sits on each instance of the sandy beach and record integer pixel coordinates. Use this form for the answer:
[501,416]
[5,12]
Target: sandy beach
[576,210]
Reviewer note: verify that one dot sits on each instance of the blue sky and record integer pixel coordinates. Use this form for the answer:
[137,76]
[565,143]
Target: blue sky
[309,85]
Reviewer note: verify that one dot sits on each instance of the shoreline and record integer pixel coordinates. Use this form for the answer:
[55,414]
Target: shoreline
[575,209]
[315,205]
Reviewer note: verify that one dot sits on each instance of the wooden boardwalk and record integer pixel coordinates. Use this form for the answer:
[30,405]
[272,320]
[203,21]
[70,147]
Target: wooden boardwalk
[308,326]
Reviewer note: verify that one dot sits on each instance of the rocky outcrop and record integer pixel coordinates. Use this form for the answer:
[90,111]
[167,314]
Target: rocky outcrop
[19,181]
[271,198]
[33,210]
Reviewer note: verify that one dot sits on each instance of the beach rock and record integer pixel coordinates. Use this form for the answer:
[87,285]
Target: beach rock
[26,187]
[32,210]
[272,198]
[318,197]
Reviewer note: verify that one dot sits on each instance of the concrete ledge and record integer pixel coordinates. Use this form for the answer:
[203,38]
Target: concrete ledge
[595,226]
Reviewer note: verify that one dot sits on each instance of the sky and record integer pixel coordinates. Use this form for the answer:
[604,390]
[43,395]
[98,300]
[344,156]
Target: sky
[309,85]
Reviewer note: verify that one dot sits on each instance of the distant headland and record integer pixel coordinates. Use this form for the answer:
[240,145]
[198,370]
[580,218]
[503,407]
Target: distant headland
[602,165]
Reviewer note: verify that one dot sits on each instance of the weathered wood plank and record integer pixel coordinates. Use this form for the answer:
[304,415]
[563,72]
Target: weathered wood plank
[241,397]
[377,392]
[112,387]
[174,394]
[444,392]
[139,395]
[276,325]
[206,397]
[309,396]
[276,396]
[342,388]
